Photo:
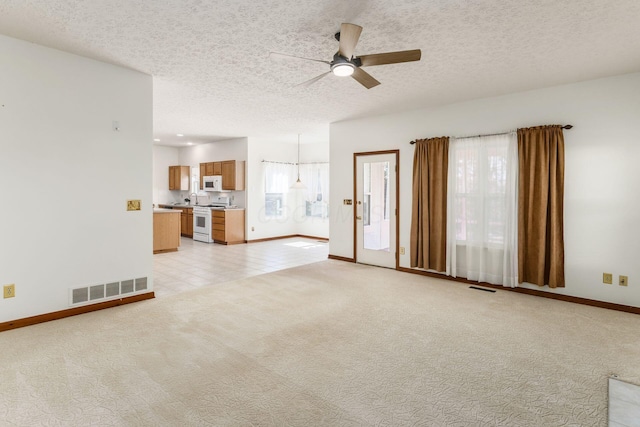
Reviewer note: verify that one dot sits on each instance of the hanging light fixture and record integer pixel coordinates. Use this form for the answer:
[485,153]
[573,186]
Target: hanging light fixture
[298,185]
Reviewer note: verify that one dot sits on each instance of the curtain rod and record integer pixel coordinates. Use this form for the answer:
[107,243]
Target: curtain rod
[302,163]
[279,163]
[493,134]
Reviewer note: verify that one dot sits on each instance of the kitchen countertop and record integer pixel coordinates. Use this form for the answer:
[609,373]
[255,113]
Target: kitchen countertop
[161,210]
[171,206]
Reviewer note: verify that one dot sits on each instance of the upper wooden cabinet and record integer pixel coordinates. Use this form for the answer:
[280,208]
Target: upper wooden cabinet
[179,177]
[232,172]
[203,173]
[232,175]
[217,168]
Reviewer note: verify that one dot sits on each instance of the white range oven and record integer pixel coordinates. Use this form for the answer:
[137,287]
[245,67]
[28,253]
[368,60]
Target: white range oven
[202,219]
[202,224]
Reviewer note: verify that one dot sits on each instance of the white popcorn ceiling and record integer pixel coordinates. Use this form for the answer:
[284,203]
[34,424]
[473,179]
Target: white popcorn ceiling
[213,77]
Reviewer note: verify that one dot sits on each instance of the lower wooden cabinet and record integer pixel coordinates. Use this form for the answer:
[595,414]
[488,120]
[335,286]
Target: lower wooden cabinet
[227,226]
[186,222]
[166,231]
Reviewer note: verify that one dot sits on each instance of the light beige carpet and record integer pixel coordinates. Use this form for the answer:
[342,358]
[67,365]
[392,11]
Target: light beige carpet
[329,343]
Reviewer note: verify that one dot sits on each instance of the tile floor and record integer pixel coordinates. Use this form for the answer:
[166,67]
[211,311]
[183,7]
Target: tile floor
[624,404]
[198,264]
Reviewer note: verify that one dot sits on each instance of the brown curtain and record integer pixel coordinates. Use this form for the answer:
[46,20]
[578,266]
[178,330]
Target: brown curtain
[540,206]
[429,211]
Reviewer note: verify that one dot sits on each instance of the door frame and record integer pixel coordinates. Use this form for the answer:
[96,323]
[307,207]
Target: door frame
[355,201]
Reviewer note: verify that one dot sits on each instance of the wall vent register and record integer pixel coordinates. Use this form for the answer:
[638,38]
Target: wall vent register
[107,291]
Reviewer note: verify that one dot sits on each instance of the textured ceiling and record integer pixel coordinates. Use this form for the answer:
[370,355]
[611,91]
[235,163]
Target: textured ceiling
[213,77]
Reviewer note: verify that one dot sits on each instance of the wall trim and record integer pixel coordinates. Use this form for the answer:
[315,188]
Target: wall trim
[341,258]
[41,318]
[288,236]
[534,292]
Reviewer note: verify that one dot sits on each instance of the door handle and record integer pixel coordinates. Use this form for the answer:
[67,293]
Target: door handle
[359,217]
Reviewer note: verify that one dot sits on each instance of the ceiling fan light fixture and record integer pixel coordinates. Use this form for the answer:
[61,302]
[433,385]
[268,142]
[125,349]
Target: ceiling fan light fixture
[343,69]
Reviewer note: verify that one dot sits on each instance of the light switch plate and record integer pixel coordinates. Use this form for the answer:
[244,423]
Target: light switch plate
[133,205]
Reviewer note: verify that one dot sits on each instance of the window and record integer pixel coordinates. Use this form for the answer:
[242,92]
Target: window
[482,209]
[480,191]
[277,178]
[274,205]
[195,179]
[315,176]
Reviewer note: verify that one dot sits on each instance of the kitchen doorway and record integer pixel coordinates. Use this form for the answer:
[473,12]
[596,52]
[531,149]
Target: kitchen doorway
[376,210]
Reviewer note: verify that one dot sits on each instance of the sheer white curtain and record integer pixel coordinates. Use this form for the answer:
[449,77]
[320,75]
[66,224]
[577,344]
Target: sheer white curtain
[315,176]
[277,178]
[482,206]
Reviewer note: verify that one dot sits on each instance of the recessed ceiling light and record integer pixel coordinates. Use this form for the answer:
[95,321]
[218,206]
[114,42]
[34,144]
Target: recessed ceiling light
[189,143]
[156,140]
[179,134]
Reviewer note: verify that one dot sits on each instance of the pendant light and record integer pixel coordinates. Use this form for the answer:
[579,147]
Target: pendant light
[298,185]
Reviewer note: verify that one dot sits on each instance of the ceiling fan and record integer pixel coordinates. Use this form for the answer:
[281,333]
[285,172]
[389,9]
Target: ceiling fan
[344,62]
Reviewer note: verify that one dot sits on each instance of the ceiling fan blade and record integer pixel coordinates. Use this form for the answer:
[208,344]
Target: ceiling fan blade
[349,35]
[284,55]
[313,80]
[390,57]
[364,78]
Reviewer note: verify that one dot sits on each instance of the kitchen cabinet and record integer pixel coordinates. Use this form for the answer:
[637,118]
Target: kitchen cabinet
[186,222]
[232,172]
[166,230]
[209,169]
[179,178]
[227,226]
[203,172]
[232,175]
[217,168]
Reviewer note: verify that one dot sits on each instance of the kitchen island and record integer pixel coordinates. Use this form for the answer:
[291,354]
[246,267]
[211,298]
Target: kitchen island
[166,230]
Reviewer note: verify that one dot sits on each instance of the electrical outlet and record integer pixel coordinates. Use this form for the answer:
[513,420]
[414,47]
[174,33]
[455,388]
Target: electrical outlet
[624,281]
[607,278]
[253,229]
[401,250]
[10,291]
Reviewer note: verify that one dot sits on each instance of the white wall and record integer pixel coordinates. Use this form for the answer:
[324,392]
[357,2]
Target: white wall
[163,157]
[229,149]
[58,152]
[601,177]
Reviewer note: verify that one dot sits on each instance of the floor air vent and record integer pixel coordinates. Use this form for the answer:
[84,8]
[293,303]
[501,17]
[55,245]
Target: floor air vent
[481,289]
[111,290]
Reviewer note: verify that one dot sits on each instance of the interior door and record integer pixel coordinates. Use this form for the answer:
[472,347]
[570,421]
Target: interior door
[376,213]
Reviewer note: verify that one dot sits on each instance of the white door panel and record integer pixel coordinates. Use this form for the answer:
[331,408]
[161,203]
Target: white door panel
[376,209]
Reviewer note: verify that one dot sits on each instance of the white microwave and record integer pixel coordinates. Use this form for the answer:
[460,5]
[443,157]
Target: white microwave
[212,183]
